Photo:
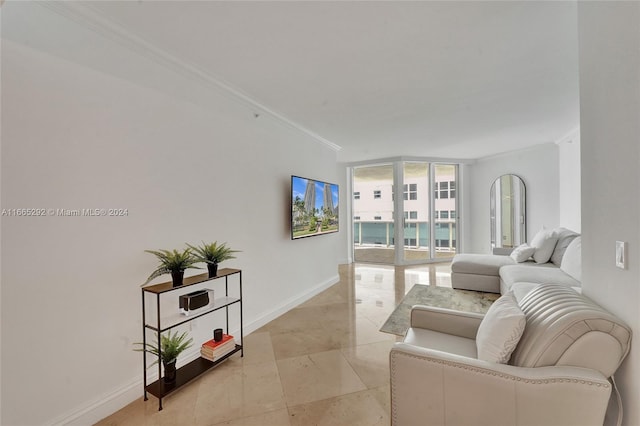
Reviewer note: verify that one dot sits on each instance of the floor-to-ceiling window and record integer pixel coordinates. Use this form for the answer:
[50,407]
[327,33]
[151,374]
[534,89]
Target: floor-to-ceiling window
[426,203]
[373,214]
[445,179]
[416,206]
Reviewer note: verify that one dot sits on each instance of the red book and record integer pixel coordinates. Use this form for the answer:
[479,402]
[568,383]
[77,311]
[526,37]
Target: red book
[222,353]
[212,344]
[219,349]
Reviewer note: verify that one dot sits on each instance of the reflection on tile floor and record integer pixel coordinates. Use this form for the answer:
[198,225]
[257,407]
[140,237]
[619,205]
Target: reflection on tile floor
[301,371]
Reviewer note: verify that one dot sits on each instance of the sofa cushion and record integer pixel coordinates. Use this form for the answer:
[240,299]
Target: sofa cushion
[544,242]
[565,236]
[479,264]
[522,253]
[534,273]
[500,330]
[572,259]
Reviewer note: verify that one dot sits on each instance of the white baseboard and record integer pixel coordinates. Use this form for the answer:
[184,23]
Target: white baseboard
[290,304]
[121,397]
[101,407]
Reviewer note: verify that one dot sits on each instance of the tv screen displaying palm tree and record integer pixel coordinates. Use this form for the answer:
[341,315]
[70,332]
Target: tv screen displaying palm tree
[314,207]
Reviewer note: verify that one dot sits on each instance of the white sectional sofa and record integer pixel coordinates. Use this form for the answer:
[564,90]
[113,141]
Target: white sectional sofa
[543,354]
[552,257]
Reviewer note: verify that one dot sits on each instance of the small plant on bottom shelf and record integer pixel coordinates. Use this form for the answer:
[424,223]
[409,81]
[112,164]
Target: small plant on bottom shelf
[171,345]
[174,263]
[212,254]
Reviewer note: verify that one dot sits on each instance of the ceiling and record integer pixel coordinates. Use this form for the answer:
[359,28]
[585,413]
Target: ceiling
[383,78]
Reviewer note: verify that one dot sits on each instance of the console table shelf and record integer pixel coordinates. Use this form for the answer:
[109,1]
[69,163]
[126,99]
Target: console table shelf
[195,279]
[185,374]
[200,365]
[179,319]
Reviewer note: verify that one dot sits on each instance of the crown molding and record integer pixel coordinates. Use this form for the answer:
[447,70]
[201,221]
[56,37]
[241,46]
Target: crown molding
[514,151]
[95,21]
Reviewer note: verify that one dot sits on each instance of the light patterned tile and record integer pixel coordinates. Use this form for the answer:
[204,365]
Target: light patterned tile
[258,348]
[139,412]
[357,331]
[338,293]
[234,391]
[383,395]
[317,376]
[313,340]
[356,409]
[273,418]
[298,319]
[371,362]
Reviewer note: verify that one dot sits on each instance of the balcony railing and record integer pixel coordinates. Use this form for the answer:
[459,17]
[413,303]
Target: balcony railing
[416,234]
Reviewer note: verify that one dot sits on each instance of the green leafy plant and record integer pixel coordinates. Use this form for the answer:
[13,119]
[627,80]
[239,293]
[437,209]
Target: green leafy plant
[213,253]
[171,345]
[172,261]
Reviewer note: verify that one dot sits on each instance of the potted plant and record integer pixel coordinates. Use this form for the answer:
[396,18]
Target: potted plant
[173,262]
[171,345]
[212,254]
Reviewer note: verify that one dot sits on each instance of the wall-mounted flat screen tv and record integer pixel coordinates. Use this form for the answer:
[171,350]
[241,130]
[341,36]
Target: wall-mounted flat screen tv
[314,207]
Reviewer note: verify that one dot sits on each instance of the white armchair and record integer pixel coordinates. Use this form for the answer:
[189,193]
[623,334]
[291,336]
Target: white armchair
[557,374]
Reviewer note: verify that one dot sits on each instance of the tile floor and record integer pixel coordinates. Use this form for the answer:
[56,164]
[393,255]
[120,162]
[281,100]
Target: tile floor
[322,363]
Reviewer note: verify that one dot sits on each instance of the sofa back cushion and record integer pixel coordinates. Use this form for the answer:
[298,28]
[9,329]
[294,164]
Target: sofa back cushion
[565,236]
[500,330]
[544,242]
[572,259]
[566,328]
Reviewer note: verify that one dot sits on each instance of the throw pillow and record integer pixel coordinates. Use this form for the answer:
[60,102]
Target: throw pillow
[522,253]
[572,259]
[544,242]
[500,330]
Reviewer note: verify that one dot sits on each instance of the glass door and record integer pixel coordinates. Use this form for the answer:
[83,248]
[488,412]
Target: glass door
[416,212]
[445,215]
[373,214]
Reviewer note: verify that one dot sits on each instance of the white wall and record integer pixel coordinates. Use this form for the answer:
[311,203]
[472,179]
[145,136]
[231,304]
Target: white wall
[345,247]
[569,180]
[74,137]
[537,167]
[609,39]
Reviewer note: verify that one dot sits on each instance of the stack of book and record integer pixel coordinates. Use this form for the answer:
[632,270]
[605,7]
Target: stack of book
[213,350]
